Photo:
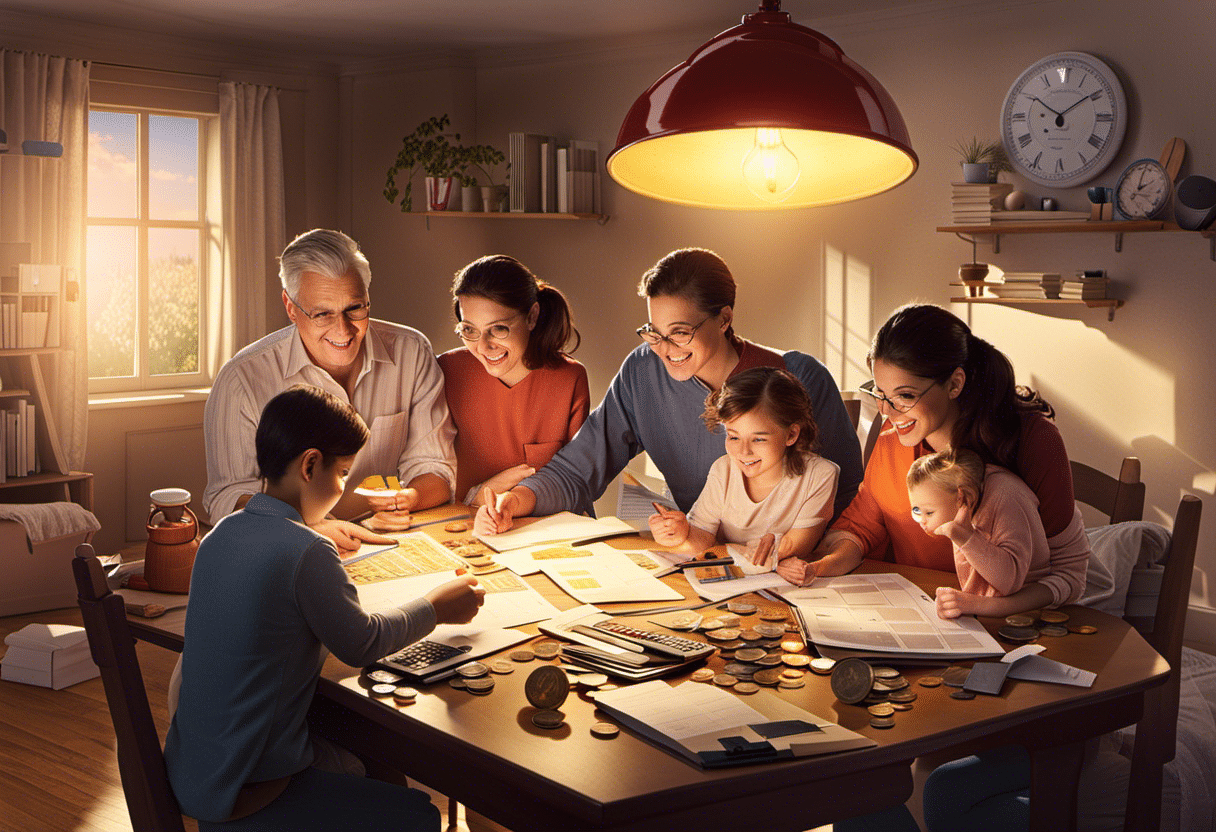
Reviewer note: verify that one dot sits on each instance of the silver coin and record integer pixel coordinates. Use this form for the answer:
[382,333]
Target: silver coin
[1054,630]
[383,689]
[740,670]
[546,649]
[502,667]
[456,682]
[823,666]
[885,672]
[749,654]
[770,630]
[882,722]
[472,670]
[592,680]
[481,684]
[605,730]
[902,696]
[741,607]
[386,677]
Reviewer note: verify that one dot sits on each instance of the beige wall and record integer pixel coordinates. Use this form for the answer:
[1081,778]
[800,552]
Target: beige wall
[1142,384]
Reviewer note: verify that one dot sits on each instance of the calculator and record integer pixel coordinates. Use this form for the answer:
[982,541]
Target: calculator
[662,643]
[424,658]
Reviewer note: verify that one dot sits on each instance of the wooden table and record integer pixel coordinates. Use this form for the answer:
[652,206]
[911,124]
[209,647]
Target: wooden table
[485,752]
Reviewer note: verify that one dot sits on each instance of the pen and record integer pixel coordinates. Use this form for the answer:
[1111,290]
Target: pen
[693,564]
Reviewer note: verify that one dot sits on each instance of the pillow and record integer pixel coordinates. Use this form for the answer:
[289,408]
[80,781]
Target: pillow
[1115,550]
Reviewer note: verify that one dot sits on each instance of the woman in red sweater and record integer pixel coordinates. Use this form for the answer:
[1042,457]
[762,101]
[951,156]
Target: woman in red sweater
[939,386]
[515,395]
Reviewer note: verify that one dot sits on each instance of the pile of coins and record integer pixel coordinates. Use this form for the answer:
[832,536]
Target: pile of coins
[883,690]
[386,683]
[546,689]
[1026,627]
[474,677]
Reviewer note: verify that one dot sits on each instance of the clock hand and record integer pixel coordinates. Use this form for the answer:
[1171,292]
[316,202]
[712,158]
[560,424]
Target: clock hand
[1044,103]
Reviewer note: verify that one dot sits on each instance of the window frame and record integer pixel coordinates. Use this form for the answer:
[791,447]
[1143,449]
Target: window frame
[207,226]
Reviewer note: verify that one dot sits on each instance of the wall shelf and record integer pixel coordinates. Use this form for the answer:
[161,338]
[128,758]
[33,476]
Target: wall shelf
[1116,227]
[507,215]
[1110,304]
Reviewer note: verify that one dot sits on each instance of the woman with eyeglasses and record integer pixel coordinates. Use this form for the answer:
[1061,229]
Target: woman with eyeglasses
[656,401]
[939,386]
[514,393]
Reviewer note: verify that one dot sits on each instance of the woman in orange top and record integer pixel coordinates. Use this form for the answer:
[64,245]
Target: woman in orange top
[939,386]
[515,395]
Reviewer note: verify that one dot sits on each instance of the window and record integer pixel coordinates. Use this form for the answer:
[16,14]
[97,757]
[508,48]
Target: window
[146,248]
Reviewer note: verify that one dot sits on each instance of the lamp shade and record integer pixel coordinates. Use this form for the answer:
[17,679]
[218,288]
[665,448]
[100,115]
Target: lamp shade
[767,115]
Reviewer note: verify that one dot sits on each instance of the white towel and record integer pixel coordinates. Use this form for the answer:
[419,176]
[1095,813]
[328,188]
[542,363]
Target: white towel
[43,521]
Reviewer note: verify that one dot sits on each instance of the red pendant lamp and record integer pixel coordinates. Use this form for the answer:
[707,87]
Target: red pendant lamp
[767,115]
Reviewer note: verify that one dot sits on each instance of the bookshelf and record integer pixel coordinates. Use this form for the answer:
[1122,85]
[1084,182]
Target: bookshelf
[1116,227]
[1109,304]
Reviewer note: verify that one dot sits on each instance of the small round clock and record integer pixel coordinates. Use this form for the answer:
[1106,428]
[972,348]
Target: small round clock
[1144,190]
[1063,119]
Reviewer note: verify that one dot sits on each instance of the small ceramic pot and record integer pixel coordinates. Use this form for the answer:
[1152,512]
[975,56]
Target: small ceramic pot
[972,275]
[975,172]
[470,198]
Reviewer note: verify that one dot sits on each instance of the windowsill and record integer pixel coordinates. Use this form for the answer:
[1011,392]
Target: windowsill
[145,398]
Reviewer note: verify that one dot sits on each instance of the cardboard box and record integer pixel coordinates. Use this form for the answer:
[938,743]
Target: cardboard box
[31,581]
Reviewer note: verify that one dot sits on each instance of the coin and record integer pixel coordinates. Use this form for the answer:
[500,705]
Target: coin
[902,696]
[1084,629]
[383,689]
[791,683]
[929,681]
[722,634]
[898,683]
[882,722]
[501,666]
[1018,634]
[725,680]
[547,687]
[792,674]
[456,682]
[546,649]
[770,660]
[750,635]
[481,684]
[884,709]
[472,670]
[1020,620]
[749,654]
[711,624]
[404,695]
[702,674]
[902,706]
[741,607]
[772,614]
[961,694]
[548,719]
[728,620]
[733,644]
[792,646]
[796,659]
[767,677]
[881,672]
[592,680]
[1053,616]
[458,526]
[873,698]
[770,630]
[851,680]
[684,621]
[747,688]
[955,676]
[384,676]
[1054,630]
[605,730]
[739,670]
[524,655]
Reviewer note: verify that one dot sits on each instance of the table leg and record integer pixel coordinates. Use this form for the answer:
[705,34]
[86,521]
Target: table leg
[1054,771]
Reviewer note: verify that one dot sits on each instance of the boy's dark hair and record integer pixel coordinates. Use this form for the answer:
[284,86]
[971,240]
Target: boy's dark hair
[303,417]
[783,399]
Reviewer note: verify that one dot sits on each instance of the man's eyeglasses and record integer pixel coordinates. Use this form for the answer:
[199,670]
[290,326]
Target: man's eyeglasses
[495,332]
[681,336]
[327,318]
[902,403]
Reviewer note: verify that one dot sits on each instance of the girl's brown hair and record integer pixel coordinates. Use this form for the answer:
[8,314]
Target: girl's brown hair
[950,470]
[781,396]
[695,274]
[508,282]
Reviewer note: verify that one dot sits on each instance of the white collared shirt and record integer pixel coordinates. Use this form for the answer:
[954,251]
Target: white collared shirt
[398,392]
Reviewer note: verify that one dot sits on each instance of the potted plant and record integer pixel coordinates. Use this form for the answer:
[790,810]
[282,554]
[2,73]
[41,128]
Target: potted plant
[484,158]
[982,160]
[428,149]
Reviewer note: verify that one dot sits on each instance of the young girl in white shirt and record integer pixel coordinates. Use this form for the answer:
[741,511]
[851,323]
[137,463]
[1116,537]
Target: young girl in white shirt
[770,482]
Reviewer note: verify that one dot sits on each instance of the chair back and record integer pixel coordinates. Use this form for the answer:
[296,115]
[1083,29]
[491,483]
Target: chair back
[1119,499]
[141,761]
[871,439]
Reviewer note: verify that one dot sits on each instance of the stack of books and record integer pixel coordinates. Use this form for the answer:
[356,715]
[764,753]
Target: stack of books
[553,175]
[972,204]
[49,655]
[1024,285]
[18,440]
[1085,286]
[1041,216]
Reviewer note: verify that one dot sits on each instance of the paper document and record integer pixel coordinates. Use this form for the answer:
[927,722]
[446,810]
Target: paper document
[608,576]
[635,502]
[1029,666]
[721,590]
[528,561]
[885,613]
[563,526]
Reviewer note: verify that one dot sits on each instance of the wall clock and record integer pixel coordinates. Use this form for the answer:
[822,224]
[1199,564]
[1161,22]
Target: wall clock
[1063,119]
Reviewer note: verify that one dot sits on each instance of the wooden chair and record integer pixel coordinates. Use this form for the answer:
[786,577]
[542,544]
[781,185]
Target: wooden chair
[141,762]
[1122,499]
[871,439]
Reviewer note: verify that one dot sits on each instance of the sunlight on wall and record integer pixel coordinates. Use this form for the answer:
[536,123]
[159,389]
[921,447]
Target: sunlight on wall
[846,316]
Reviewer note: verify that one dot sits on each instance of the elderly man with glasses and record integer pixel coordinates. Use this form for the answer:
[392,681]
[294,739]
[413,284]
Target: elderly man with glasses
[386,371]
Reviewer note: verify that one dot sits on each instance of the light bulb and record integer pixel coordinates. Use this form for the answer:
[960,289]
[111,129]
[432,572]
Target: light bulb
[770,169]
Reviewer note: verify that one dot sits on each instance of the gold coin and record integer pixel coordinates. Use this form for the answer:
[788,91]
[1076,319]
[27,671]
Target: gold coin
[1053,616]
[791,683]
[772,614]
[728,620]
[684,621]
[882,722]
[702,674]
[883,709]
[792,674]
[822,666]
[767,677]
[711,624]
[605,730]
[1084,629]
[723,634]
[796,659]
[524,655]
[725,680]
[481,684]
[456,682]
[929,681]
[747,688]
[546,649]
[457,526]
[501,666]
[548,719]
[792,646]
[1020,620]
[902,706]
[750,635]
[547,687]
[741,607]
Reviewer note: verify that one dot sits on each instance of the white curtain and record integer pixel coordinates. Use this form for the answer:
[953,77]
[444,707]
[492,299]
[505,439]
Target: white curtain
[42,202]
[251,154]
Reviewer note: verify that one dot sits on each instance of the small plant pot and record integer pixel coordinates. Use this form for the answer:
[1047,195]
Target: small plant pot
[439,191]
[470,198]
[972,275]
[492,197]
[975,172]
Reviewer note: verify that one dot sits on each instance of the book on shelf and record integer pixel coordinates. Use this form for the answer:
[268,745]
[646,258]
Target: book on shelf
[1040,216]
[524,154]
[1001,290]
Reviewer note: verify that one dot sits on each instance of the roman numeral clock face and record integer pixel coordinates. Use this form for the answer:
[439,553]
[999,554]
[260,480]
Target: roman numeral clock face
[1063,119]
